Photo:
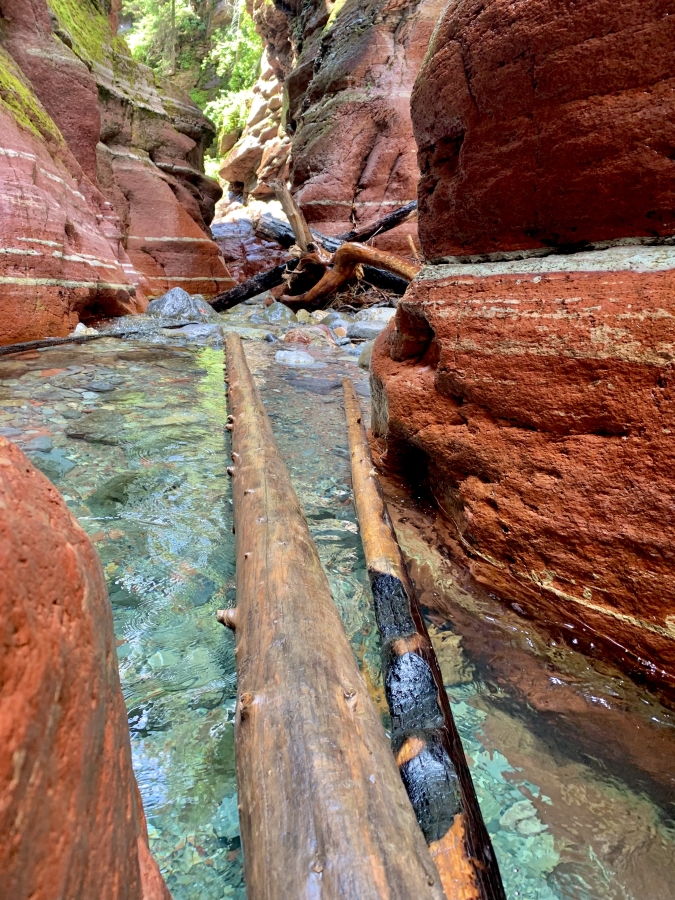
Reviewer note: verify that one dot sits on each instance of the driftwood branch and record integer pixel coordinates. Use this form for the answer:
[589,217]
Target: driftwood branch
[273,229]
[301,232]
[424,736]
[346,261]
[51,342]
[386,223]
[323,811]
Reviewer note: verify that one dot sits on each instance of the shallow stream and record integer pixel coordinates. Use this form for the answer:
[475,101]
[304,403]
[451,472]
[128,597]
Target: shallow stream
[574,766]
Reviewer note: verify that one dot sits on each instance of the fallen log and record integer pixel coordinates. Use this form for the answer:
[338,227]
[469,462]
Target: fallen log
[323,811]
[263,281]
[424,736]
[380,226]
[51,342]
[270,228]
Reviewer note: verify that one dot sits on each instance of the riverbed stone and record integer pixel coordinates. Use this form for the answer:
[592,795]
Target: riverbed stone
[178,304]
[370,322]
[296,358]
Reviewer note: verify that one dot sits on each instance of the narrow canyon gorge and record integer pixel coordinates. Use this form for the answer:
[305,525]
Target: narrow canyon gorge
[463,212]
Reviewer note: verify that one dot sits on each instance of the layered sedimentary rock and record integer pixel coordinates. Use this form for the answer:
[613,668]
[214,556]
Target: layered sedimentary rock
[120,200]
[60,254]
[261,154]
[71,815]
[538,400]
[534,394]
[546,123]
[347,71]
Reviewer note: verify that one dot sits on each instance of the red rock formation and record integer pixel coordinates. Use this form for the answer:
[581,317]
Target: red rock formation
[537,398]
[546,123]
[347,71]
[536,395]
[70,815]
[133,151]
[57,262]
[353,154]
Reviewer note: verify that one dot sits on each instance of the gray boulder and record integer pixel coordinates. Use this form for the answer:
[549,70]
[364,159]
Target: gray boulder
[178,305]
[370,322]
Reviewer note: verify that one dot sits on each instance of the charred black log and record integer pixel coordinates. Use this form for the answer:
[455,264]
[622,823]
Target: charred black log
[425,739]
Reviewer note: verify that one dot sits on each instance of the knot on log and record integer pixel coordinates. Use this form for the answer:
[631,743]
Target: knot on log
[228,618]
[230,471]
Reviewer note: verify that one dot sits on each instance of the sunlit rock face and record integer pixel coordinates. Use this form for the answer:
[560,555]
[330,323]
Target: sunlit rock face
[535,395]
[107,204]
[71,816]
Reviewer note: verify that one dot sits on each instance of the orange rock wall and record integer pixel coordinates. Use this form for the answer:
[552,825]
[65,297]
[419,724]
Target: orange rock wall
[71,815]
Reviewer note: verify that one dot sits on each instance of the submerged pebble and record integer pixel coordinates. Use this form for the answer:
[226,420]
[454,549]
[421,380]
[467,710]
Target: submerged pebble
[296,358]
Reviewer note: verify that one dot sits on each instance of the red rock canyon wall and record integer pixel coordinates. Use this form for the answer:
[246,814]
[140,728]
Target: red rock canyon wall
[347,71]
[102,202]
[536,395]
[71,816]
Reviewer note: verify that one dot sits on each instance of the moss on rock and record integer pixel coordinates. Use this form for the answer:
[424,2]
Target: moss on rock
[17,97]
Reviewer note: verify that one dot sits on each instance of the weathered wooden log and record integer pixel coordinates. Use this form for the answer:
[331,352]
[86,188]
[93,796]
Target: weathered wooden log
[346,260]
[424,736]
[272,229]
[323,812]
[263,281]
[380,226]
[295,216]
[51,342]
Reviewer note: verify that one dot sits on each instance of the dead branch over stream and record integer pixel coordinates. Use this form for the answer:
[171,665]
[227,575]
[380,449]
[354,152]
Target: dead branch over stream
[387,277]
[323,811]
[424,736]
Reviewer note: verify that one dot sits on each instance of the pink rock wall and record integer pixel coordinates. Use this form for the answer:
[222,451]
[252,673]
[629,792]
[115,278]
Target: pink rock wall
[135,211]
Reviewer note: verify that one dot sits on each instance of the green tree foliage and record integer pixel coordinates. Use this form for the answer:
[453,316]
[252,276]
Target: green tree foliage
[219,66]
[150,36]
[236,55]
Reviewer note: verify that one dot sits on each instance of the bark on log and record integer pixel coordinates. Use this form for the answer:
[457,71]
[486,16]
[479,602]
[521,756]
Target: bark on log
[301,232]
[51,342]
[263,281]
[323,812]
[386,223]
[424,736]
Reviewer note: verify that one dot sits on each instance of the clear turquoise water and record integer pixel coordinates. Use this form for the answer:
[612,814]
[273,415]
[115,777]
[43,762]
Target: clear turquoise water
[142,466]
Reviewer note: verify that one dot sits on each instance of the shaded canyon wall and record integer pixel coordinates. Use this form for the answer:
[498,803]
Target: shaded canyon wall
[103,201]
[532,388]
[71,815]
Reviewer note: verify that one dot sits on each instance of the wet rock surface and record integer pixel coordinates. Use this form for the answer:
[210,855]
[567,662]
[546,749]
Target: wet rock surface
[65,757]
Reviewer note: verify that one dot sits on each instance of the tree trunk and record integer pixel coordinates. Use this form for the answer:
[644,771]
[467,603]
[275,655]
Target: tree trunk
[323,812]
[173,37]
[424,736]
